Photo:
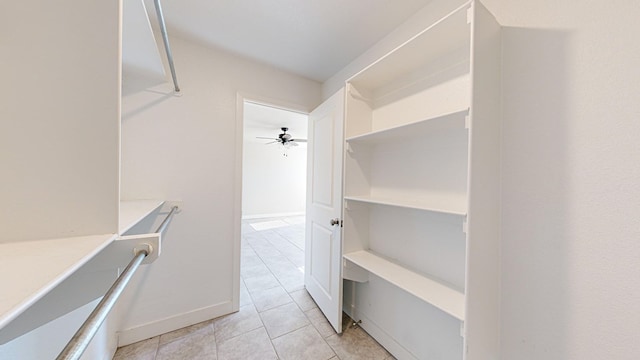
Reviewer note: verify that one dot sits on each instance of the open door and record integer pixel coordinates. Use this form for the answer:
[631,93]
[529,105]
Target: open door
[323,240]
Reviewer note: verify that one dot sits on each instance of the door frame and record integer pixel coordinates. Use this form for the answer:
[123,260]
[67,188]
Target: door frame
[241,98]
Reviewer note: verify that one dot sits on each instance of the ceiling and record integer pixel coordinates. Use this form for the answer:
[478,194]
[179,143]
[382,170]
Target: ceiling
[311,38]
[266,121]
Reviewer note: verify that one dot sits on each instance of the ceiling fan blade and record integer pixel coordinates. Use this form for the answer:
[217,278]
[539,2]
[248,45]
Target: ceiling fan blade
[262,137]
[271,142]
[299,140]
[291,143]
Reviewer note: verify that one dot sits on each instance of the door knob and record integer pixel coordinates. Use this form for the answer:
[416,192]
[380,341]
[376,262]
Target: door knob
[335,222]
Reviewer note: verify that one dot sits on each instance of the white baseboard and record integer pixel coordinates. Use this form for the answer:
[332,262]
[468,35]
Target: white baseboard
[388,342]
[149,330]
[272,215]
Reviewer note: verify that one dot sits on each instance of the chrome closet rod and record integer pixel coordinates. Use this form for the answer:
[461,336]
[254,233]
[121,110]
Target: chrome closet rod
[79,342]
[82,338]
[167,47]
[167,220]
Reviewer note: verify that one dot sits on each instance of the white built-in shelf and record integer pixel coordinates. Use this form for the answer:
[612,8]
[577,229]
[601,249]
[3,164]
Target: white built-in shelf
[447,35]
[133,211]
[439,206]
[437,294]
[418,129]
[141,61]
[30,269]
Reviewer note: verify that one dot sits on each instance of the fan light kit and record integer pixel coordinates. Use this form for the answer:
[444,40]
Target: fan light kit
[285,139]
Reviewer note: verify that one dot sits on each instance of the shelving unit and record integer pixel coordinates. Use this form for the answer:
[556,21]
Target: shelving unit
[421,191]
[439,295]
[63,216]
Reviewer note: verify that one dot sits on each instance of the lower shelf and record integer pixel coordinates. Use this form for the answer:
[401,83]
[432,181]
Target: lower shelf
[439,295]
[30,269]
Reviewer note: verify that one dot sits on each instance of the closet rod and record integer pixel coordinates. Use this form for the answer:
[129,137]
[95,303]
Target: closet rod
[80,341]
[167,220]
[167,48]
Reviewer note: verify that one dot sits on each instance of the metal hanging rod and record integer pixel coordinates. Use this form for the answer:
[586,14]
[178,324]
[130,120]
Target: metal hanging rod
[167,47]
[80,341]
[167,220]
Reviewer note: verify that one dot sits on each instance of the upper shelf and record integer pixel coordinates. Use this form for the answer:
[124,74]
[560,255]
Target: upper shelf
[30,269]
[439,295]
[416,129]
[445,207]
[132,212]
[141,62]
[444,37]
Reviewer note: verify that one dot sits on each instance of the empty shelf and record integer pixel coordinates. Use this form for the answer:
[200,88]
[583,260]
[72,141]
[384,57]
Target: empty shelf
[441,296]
[443,37]
[132,212]
[30,269]
[455,120]
[449,207]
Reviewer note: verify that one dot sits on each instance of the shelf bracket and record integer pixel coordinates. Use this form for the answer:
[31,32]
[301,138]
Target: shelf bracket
[464,225]
[469,15]
[353,272]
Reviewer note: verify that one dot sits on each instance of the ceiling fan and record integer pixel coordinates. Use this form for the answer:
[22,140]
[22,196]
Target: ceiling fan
[284,139]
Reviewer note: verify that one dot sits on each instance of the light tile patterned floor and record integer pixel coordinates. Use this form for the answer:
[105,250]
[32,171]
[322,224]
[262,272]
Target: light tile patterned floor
[277,317]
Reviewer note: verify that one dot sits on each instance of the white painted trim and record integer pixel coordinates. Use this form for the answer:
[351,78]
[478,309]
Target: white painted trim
[272,215]
[155,328]
[376,332]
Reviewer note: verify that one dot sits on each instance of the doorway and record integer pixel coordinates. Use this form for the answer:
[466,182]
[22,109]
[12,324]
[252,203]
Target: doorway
[274,185]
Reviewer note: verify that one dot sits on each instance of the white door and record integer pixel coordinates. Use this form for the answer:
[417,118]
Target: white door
[323,244]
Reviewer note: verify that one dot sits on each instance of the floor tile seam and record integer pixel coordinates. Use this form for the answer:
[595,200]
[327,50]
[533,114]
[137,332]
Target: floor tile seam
[155,355]
[260,312]
[286,239]
[270,271]
[291,331]
[244,333]
[274,275]
[335,354]
[213,331]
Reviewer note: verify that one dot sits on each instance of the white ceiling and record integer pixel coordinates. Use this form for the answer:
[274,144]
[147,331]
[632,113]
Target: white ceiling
[312,38]
[266,121]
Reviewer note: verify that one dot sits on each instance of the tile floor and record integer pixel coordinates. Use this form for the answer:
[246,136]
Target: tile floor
[277,317]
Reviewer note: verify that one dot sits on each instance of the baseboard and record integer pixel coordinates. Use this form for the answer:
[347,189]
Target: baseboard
[159,327]
[266,216]
[381,336]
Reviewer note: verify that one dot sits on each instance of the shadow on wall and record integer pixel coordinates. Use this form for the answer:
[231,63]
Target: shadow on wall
[535,290]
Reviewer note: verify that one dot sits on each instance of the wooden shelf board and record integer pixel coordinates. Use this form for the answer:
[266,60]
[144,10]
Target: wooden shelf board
[441,38]
[30,269]
[133,211]
[410,205]
[439,295]
[455,120]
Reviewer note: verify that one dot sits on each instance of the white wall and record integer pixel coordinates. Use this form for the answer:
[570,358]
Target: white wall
[570,185]
[273,184]
[58,119]
[570,189]
[184,148]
